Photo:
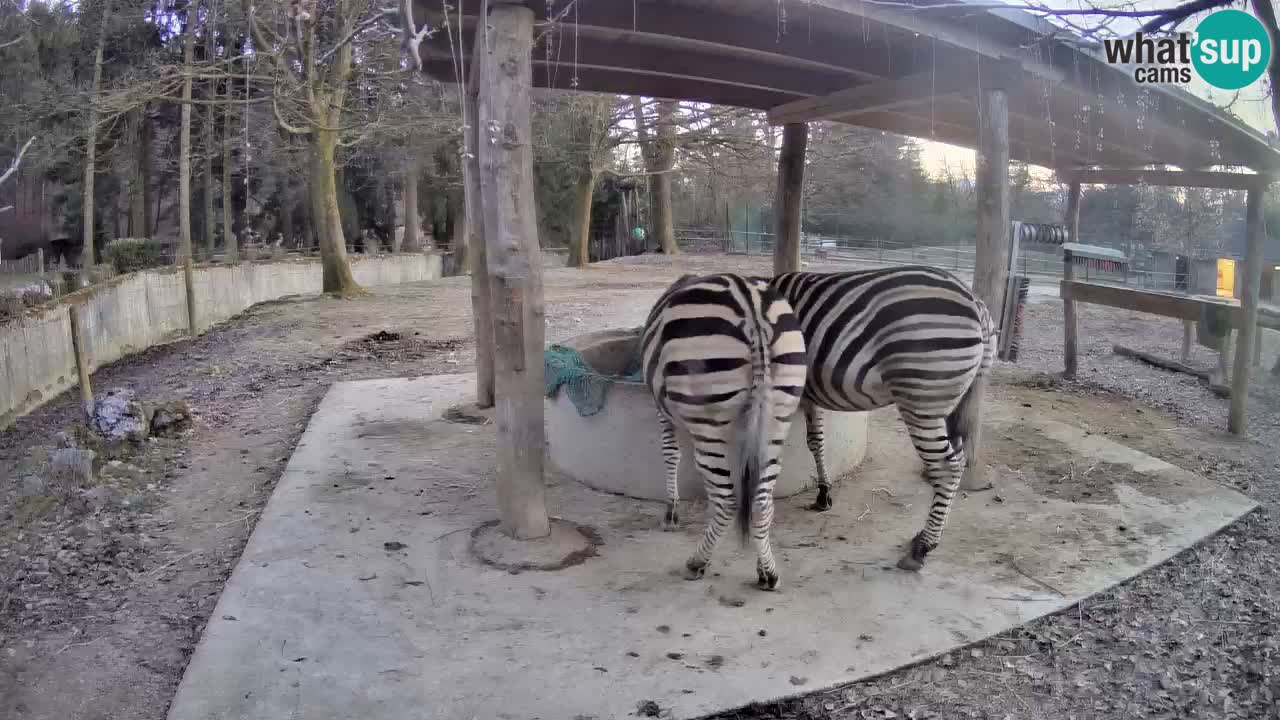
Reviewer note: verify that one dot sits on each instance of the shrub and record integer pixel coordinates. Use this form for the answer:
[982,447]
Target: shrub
[132,254]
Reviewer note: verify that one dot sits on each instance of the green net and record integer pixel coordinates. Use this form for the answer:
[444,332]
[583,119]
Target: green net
[584,385]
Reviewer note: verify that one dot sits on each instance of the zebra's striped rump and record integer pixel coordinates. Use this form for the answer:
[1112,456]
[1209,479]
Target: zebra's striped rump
[911,336]
[717,349]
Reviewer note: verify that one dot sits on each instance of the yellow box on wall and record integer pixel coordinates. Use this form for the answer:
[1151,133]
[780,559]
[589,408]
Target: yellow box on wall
[1226,277]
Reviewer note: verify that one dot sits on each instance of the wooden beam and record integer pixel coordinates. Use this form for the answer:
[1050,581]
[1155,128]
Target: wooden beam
[1247,334]
[514,266]
[992,190]
[560,55]
[1070,360]
[631,81]
[991,257]
[481,305]
[1167,178]
[847,104]
[1181,307]
[787,200]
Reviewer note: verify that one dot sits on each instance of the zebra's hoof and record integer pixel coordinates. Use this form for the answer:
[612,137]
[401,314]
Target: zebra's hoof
[768,580]
[824,501]
[671,520]
[910,564]
[694,570]
[920,548]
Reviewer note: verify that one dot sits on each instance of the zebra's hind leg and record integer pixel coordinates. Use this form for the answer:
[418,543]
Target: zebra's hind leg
[816,440]
[943,466]
[709,454]
[762,504]
[671,459]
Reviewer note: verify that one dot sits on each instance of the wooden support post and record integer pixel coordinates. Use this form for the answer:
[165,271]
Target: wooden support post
[188,279]
[786,202]
[991,258]
[82,360]
[481,304]
[1070,324]
[1257,347]
[1188,328]
[514,268]
[1247,329]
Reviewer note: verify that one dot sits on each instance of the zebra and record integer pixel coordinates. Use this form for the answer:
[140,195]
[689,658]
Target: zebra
[714,348]
[912,336]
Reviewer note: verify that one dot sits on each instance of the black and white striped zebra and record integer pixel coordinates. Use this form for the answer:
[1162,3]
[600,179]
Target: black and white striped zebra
[911,336]
[716,348]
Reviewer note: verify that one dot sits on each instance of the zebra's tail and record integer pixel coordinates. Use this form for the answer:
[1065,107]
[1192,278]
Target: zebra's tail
[754,443]
[966,415]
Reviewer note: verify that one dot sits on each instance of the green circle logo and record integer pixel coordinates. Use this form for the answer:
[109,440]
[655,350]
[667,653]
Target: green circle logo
[1232,49]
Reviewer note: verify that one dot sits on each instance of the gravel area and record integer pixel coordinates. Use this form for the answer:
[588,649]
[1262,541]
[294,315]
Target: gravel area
[100,606]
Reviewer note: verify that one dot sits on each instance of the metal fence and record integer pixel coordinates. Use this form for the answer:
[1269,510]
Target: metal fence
[1033,259]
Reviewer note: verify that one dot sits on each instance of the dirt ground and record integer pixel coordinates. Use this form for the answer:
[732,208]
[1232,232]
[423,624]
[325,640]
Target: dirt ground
[99,611]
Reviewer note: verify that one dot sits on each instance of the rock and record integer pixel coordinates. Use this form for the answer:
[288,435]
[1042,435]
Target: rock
[118,416]
[171,419]
[71,469]
[33,486]
[92,500]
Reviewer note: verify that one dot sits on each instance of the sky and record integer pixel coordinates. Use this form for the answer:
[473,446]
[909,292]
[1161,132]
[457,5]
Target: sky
[1251,105]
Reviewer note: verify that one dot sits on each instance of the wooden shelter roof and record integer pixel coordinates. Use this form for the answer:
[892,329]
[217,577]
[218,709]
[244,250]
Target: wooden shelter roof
[909,71]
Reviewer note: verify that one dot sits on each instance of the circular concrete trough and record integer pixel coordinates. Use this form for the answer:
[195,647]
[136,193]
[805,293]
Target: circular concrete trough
[618,449]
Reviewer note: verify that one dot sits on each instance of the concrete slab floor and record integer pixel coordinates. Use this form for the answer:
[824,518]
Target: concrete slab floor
[358,596]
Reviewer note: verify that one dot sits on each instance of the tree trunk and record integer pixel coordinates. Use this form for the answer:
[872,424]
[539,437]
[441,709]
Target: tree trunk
[477,252]
[412,223]
[144,172]
[184,139]
[137,186]
[338,279]
[91,143]
[515,278]
[210,226]
[664,160]
[286,215]
[310,239]
[229,246]
[580,238]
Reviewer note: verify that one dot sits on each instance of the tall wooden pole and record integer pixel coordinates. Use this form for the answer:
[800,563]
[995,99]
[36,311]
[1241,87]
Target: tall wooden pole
[991,259]
[1247,331]
[787,200]
[515,275]
[990,273]
[481,306]
[1069,322]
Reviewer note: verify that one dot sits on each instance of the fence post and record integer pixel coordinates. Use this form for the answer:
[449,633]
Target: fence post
[40,260]
[189,280]
[1070,360]
[82,361]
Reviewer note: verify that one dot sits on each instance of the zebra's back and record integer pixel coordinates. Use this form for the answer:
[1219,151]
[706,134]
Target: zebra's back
[698,344]
[911,335]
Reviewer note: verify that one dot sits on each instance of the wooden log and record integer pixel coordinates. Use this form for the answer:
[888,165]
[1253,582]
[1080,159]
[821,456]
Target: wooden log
[991,259]
[514,268]
[1247,329]
[82,360]
[786,242]
[481,304]
[1070,359]
[1156,360]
